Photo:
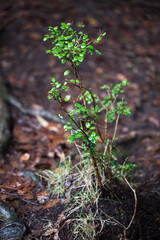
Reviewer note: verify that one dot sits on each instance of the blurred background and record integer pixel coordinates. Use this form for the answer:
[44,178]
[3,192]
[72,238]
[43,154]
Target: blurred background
[130,50]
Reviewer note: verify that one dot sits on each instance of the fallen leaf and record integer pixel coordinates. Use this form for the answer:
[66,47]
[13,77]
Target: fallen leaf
[25,157]
[92,21]
[41,121]
[13,185]
[154,120]
[99,70]
[3,196]
[32,207]
[42,196]
[37,232]
[28,196]
[51,203]
[37,107]
[35,36]
[53,127]
[49,231]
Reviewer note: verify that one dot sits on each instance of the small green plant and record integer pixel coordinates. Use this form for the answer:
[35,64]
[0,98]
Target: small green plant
[89,133]
[72,46]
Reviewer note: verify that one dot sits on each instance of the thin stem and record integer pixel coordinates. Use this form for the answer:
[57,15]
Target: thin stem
[80,85]
[106,146]
[91,153]
[109,170]
[96,124]
[106,125]
[96,172]
[116,126]
[78,126]
[94,105]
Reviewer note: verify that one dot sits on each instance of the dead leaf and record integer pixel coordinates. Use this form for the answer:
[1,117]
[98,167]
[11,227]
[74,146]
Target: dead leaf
[92,21]
[51,203]
[49,231]
[37,232]
[28,196]
[99,70]
[37,107]
[121,76]
[53,127]
[32,207]
[154,120]
[156,102]
[42,121]
[13,185]
[35,36]
[3,196]
[25,157]
[43,196]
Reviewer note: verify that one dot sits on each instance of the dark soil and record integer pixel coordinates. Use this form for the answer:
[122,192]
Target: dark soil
[131,50]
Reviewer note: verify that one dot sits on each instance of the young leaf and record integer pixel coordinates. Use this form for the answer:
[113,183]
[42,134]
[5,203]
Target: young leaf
[83,45]
[64,60]
[67,98]
[88,125]
[66,72]
[98,52]
[78,105]
[60,116]
[73,81]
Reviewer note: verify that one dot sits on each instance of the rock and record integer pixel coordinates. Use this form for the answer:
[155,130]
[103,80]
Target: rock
[5,119]
[11,226]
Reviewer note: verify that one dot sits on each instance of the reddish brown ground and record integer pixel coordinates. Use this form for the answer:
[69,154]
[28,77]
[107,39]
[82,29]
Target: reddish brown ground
[131,50]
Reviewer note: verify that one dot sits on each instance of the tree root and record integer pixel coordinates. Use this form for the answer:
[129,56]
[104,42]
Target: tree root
[33,112]
[53,117]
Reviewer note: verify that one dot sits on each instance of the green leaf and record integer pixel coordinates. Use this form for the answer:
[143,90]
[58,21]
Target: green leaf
[88,124]
[73,81]
[98,52]
[78,63]
[55,28]
[65,88]
[70,45]
[85,36]
[71,139]
[67,98]
[45,38]
[83,45]
[48,51]
[66,72]
[80,58]
[81,25]
[60,116]
[60,44]
[72,112]
[49,97]
[98,39]
[58,85]
[64,26]
[104,87]
[77,81]
[90,46]
[78,105]
[115,139]
[64,60]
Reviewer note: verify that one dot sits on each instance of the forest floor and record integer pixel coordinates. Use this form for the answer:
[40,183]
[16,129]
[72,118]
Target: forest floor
[131,50]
